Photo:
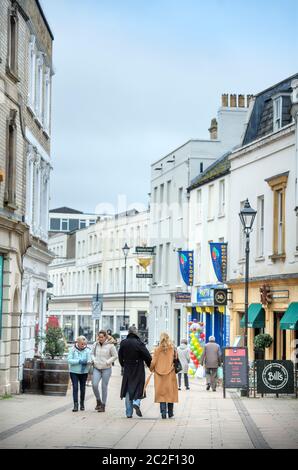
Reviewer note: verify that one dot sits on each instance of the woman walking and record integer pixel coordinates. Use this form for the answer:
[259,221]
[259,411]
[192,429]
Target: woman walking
[165,381]
[103,355]
[79,360]
[184,358]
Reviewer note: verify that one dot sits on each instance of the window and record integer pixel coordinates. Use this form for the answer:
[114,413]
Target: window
[161,201]
[201,167]
[155,203]
[64,225]
[55,224]
[73,224]
[277,113]
[278,185]
[198,263]
[211,202]
[222,198]
[260,236]
[199,205]
[47,99]
[168,198]
[160,264]
[111,280]
[131,278]
[92,222]
[39,86]
[180,202]
[117,280]
[13,43]
[242,236]
[10,188]
[82,224]
[32,72]
[167,263]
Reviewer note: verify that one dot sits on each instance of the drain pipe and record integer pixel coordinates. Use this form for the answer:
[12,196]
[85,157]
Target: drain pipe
[294,112]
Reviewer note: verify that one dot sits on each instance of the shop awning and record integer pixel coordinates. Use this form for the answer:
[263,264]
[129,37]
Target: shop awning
[290,319]
[256,317]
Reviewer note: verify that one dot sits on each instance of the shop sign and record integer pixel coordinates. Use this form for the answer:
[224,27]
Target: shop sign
[182,297]
[275,377]
[220,297]
[145,250]
[144,276]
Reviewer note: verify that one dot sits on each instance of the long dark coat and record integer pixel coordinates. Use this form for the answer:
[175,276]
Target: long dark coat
[132,354]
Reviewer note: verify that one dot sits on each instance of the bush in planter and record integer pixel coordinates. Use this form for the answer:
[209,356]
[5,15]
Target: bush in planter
[263,341]
[56,375]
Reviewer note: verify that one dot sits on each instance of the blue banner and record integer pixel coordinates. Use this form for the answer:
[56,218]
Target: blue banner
[219,260]
[186,263]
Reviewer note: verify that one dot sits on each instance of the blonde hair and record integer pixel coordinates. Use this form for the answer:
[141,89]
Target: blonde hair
[82,339]
[165,342]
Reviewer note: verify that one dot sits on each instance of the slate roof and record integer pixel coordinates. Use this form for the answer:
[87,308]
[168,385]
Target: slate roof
[216,170]
[261,119]
[66,210]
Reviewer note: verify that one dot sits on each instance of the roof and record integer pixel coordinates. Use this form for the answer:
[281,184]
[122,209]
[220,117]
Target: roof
[217,169]
[65,210]
[44,18]
[261,119]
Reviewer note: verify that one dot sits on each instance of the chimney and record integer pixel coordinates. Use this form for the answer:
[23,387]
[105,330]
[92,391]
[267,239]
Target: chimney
[233,101]
[241,101]
[224,100]
[249,98]
[213,129]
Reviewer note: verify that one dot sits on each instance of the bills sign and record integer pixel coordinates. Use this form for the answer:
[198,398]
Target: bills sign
[186,262]
[275,377]
[218,253]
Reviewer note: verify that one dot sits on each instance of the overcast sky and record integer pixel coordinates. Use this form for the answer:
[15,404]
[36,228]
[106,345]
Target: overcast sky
[134,79]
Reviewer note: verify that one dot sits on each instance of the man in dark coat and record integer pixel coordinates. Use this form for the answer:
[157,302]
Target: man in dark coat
[132,354]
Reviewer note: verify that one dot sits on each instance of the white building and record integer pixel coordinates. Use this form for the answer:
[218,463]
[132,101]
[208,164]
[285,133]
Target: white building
[264,170]
[209,197]
[169,222]
[93,257]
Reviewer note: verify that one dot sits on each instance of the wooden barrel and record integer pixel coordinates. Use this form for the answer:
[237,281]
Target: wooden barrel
[56,377]
[33,376]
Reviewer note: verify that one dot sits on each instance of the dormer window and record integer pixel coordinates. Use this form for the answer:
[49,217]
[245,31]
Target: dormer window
[277,113]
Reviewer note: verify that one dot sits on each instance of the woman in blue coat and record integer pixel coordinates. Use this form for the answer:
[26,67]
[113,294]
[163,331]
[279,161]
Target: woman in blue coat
[79,360]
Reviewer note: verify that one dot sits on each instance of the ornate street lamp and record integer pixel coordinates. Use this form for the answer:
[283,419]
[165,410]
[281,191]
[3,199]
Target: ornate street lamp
[247,216]
[125,250]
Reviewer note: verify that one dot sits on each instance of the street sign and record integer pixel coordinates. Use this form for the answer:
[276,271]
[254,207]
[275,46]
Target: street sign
[144,276]
[220,297]
[235,368]
[145,250]
[275,377]
[97,302]
[182,297]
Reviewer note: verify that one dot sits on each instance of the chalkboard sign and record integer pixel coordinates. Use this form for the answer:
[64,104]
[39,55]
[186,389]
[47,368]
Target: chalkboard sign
[275,377]
[235,368]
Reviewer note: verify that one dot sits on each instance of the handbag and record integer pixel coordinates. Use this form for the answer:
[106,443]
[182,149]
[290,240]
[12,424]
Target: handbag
[177,365]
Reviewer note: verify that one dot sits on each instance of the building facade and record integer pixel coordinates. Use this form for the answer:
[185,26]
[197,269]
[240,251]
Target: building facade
[169,214]
[209,198]
[25,166]
[91,261]
[264,170]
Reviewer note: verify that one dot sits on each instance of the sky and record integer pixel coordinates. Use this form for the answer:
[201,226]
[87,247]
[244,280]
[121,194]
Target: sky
[135,79]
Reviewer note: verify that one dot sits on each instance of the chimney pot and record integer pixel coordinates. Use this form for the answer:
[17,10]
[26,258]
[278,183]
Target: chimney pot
[213,129]
[224,100]
[241,101]
[233,101]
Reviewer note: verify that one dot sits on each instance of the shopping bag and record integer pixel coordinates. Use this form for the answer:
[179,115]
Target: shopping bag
[220,373]
[200,372]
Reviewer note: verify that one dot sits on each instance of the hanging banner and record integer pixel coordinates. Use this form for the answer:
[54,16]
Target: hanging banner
[186,266]
[219,260]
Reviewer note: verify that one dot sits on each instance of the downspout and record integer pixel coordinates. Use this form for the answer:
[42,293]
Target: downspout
[294,112]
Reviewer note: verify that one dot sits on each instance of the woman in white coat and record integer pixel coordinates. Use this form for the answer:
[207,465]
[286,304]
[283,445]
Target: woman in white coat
[184,358]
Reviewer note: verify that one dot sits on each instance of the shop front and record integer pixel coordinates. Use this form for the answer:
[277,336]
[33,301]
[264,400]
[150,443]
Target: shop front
[278,317]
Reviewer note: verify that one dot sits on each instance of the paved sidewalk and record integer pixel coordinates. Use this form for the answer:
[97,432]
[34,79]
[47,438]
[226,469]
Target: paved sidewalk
[203,420]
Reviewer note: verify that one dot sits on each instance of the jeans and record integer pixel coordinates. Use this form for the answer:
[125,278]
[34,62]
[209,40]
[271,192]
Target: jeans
[211,376]
[186,382]
[104,376]
[129,404]
[77,379]
[163,408]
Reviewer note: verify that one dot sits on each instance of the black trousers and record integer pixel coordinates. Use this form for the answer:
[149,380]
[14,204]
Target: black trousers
[77,379]
[186,382]
[163,408]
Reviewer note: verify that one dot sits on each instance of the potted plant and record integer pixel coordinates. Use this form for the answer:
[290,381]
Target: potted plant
[32,381]
[55,367]
[261,342]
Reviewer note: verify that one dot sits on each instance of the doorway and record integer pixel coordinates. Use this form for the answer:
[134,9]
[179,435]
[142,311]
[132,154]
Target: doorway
[178,326]
[279,338]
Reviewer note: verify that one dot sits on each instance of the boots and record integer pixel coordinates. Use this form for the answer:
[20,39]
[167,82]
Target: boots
[82,406]
[75,406]
[102,408]
[98,405]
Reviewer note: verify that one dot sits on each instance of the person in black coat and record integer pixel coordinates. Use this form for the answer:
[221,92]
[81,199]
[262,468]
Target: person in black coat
[132,355]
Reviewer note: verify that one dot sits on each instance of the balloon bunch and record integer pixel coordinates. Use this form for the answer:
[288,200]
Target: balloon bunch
[197,341]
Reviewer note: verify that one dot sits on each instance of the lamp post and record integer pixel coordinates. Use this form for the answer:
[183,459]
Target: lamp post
[125,250]
[247,216]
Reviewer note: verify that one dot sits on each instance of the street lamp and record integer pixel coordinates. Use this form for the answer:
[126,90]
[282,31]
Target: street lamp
[247,216]
[125,250]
